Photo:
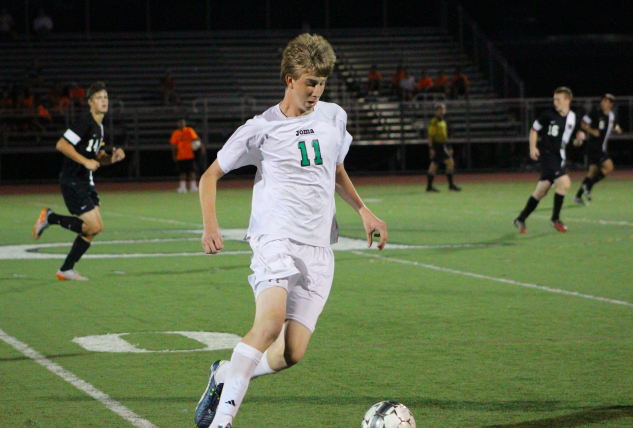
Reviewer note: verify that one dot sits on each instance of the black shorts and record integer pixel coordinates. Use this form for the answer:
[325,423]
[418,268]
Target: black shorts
[185,166]
[551,169]
[80,197]
[441,153]
[598,158]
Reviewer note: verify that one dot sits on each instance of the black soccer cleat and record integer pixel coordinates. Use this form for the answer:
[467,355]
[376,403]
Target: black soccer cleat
[208,404]
[586,191]
[432,190]
[454,188]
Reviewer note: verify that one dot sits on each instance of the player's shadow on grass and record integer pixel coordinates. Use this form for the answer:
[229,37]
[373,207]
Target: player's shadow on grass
[577,419]
[420,402]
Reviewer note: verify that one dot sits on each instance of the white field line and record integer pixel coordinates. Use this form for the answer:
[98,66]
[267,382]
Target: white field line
[78,383]
[492,278]
[30,251]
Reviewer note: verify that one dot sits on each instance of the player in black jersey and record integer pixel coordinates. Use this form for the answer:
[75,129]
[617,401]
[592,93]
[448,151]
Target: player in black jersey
[598,124]
[555,128]
[82,146]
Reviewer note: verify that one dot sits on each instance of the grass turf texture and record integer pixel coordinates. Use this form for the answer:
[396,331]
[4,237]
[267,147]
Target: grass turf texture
[459,351]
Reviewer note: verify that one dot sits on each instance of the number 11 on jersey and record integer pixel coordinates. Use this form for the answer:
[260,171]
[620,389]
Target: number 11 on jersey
[304,153]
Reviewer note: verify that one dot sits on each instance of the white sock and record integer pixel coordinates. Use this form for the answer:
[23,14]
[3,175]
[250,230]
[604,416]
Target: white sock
[193,186]
[243,362]
[262,369]
[183,184]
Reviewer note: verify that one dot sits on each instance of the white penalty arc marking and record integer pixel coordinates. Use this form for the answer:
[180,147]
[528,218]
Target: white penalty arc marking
[30,251]
[492,278]
[78,383]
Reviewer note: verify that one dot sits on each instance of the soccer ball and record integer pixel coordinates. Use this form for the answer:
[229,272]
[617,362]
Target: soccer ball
[388,414]
[195,145]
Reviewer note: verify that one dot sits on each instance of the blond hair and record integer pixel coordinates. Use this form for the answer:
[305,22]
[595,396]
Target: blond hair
[307,53]
[563,90]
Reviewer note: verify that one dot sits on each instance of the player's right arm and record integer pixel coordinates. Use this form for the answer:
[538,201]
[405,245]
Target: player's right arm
[212,242]
[534,152]
[537,126]
[69,151]
[432,131]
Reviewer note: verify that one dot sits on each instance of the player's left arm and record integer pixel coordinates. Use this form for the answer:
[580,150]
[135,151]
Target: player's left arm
[346,190]
[108,159]
[617,128]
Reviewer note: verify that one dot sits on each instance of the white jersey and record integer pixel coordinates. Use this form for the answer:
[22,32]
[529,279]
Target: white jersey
[296,159]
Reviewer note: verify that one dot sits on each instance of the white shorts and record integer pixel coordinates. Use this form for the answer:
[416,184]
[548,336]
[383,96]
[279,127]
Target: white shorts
[308,270]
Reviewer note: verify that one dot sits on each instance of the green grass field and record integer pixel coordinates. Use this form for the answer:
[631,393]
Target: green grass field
[415,325]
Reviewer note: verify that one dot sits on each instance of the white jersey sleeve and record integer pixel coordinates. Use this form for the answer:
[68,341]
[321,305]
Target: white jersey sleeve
[243,148]
[346,141]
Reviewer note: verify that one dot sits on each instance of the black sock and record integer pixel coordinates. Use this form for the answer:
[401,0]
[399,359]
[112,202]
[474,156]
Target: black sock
[449,177]
[429,177]
[67,222]
[597,178]
[558,204]
[586,182]
[80,246]
[529,207]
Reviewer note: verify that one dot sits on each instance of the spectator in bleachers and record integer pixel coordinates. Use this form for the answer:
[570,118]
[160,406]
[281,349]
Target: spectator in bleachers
[407,86]
[34,73]
[168,89]
[185,143]
[395,80]
[459,84]
[6,101]
[374,80]
[57,99]
[42,24]
[7,31]
[440,85]
[25,99]
[425,83]
[76,94]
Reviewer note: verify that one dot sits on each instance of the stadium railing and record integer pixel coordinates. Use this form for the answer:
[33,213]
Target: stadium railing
[471,123]
[487,58]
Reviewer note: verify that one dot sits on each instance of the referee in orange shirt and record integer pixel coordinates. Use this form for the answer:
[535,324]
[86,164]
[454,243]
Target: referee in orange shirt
[184,142]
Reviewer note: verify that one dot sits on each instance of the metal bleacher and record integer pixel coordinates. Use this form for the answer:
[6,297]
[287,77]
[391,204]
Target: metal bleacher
[222,78]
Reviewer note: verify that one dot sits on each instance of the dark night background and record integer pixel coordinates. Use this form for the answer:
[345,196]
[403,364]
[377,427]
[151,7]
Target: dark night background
[585,45]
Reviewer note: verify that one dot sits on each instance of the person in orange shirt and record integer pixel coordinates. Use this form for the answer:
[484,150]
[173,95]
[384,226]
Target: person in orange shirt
[184,142]
[460,86]
[395,80]
[441,83]
[76,94]
[374,80]
[425,82]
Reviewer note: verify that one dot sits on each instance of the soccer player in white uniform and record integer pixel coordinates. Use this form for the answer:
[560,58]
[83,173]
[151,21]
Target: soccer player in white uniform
[298,147]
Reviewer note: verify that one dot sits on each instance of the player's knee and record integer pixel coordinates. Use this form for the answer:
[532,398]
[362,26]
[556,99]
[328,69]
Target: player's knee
[293,356]
[269,331]
[94,229]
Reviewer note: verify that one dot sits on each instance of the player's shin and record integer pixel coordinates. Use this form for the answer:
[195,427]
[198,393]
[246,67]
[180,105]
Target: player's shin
[530,206]
[71,223]
[79,248]
[244,360]
[558,205]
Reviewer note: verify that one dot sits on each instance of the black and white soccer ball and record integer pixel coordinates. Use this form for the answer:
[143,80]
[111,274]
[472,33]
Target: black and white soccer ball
[388,414]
